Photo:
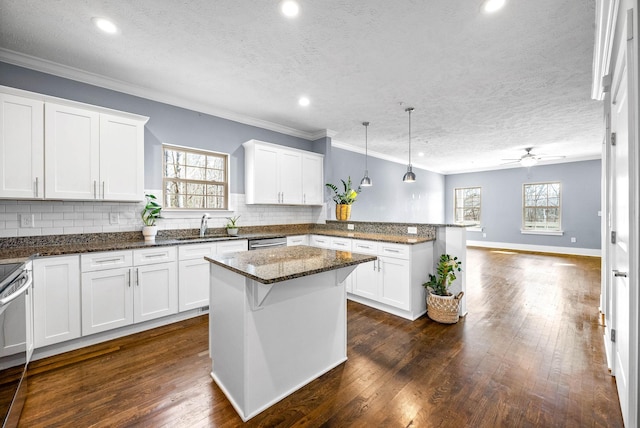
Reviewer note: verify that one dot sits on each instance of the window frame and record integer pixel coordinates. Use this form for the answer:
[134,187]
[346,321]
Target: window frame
[191,150]
[546,230]
[455,208]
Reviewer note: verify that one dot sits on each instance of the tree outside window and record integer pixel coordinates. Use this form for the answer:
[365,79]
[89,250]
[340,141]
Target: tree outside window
[541,206]
[194,179]
[467,206]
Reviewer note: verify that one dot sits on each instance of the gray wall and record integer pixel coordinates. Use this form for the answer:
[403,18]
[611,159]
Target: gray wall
[501,215]
[389,199]
[167,124]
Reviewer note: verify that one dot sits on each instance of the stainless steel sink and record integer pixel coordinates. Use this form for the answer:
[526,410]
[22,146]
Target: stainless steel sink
[196,237]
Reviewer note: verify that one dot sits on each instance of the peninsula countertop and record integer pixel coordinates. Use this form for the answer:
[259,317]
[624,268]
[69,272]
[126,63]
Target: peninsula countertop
[269,266]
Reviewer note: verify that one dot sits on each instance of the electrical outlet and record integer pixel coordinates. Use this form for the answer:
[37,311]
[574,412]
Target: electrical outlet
[484,235]
[26,220]
[350,226]
[573,239]
[114,218]
[412,230]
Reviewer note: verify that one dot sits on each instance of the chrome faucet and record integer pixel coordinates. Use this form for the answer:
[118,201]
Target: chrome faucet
[203,225]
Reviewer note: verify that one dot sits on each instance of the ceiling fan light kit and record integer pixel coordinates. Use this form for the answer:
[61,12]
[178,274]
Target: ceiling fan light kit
[409,176]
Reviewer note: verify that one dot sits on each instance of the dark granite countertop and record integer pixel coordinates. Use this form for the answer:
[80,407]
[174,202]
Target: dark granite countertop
[285,263]
[380,237]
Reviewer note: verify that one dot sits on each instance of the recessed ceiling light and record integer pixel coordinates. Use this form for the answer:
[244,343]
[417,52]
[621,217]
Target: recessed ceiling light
[421,154]
[491,6]
[304,101]
[105,25]
[290,8]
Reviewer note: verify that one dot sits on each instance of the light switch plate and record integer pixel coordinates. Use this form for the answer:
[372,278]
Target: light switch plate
[114,218]
[350,226]
[573,239]
[26,220]
[412,230]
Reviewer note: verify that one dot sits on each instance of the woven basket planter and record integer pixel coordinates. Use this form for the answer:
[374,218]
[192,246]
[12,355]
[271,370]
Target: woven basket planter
[343,211]
[444,309]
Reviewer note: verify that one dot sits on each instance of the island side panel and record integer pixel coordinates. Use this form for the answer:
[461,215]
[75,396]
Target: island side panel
[227,307]
[297,334]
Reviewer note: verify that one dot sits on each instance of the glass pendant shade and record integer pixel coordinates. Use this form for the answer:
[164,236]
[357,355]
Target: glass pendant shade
[409,176]
[528,160]
[366,181]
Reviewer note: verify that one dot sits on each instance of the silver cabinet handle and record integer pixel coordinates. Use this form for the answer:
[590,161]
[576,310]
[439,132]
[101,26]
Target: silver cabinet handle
[107,260]
[37,185]
[103,190]
[391,250]
[129,280]
[138,277]
[619,274]
[379,263]
[374,265]
[95,194]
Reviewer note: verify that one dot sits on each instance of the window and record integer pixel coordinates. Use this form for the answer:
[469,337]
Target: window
[194,179]
[467,206]
[541,207]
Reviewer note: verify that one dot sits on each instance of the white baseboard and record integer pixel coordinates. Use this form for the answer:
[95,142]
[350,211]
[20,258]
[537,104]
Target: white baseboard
[537,248]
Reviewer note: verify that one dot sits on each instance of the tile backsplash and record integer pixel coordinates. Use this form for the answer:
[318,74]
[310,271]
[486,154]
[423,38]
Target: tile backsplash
[70,217]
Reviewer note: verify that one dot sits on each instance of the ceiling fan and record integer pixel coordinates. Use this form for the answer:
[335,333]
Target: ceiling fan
[530,159]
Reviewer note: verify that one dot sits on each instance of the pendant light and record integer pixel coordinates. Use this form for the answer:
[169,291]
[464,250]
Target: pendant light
[366,181]
[409,176]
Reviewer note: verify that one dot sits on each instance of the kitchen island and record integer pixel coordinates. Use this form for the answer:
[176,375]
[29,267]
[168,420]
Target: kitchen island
[277,321]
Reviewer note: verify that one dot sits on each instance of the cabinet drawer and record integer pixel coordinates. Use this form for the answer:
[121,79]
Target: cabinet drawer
[108,260]
[320,241]
[154,255]
[341,244]
[297,240]
[196,251]
[364,247]
[394,250]
[232,246]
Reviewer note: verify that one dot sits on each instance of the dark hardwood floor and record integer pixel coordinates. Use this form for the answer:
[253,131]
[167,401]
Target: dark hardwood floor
[529,354]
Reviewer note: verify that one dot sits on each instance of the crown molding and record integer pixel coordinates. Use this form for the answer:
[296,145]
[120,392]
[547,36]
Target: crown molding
[76,74]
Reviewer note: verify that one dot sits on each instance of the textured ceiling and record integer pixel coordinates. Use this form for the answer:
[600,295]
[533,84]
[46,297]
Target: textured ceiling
[484,87]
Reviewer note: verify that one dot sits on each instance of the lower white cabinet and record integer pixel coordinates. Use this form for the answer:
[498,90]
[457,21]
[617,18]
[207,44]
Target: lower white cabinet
[297,240]
[193,271]
[56,300]
[120,288]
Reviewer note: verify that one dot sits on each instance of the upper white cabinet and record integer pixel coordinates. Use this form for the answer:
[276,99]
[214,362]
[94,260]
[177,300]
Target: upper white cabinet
[72,152]
[21,147]
[90,153]
[281,175]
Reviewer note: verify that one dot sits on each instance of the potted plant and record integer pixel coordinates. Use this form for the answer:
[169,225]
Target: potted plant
[344,200]
[232,227]
[150,213]
[442,306]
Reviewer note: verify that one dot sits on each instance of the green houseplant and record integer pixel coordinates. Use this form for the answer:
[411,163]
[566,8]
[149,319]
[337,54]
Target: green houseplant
[442,306]
[344,199]
[232,227]
[150,213]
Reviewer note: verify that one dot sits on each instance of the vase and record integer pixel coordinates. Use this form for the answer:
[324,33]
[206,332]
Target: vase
[343,211]
[233,231]
[149,233]
[444,309]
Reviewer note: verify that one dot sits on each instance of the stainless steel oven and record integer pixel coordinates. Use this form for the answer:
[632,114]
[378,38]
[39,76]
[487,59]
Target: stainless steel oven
[15,339]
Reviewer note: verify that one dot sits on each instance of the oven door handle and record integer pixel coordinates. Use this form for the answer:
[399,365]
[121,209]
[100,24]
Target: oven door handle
[19,291]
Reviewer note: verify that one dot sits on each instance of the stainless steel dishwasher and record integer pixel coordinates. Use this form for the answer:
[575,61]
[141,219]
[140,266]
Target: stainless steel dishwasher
[259,243]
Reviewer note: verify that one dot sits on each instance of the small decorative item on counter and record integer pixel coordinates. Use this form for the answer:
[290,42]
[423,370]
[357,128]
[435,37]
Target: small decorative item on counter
[344,200]
[150,213]
[232,228]
[442,306]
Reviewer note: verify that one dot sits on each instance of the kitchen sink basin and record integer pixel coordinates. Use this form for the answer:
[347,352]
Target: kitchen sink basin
[196,237]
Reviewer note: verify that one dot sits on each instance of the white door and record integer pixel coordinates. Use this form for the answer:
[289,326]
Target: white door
[193,284]
[290,170]
[312,179]
[21,147]
[620,215]
[121,159]
[395,282]
[72,158]
[156,291]
[265,176]
[365,280]
[107,300]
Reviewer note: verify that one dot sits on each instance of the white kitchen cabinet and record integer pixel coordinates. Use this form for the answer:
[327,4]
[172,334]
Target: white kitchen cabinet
[21,147]
[56,299]
[120,288]
[281,175]
[312,179]
[394,282]
[193,271]
[365,276]
[72,152]
[320,241]
[297,240]
[59,149]
[121,158]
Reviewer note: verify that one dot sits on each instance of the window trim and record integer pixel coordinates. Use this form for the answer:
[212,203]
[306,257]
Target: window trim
[469,226]
[227,184]
[533,231]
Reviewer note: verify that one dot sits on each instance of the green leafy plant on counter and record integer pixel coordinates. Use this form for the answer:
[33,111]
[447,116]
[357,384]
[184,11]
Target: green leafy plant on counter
[151,211]
[231,223]
[446,274]
[348,196]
